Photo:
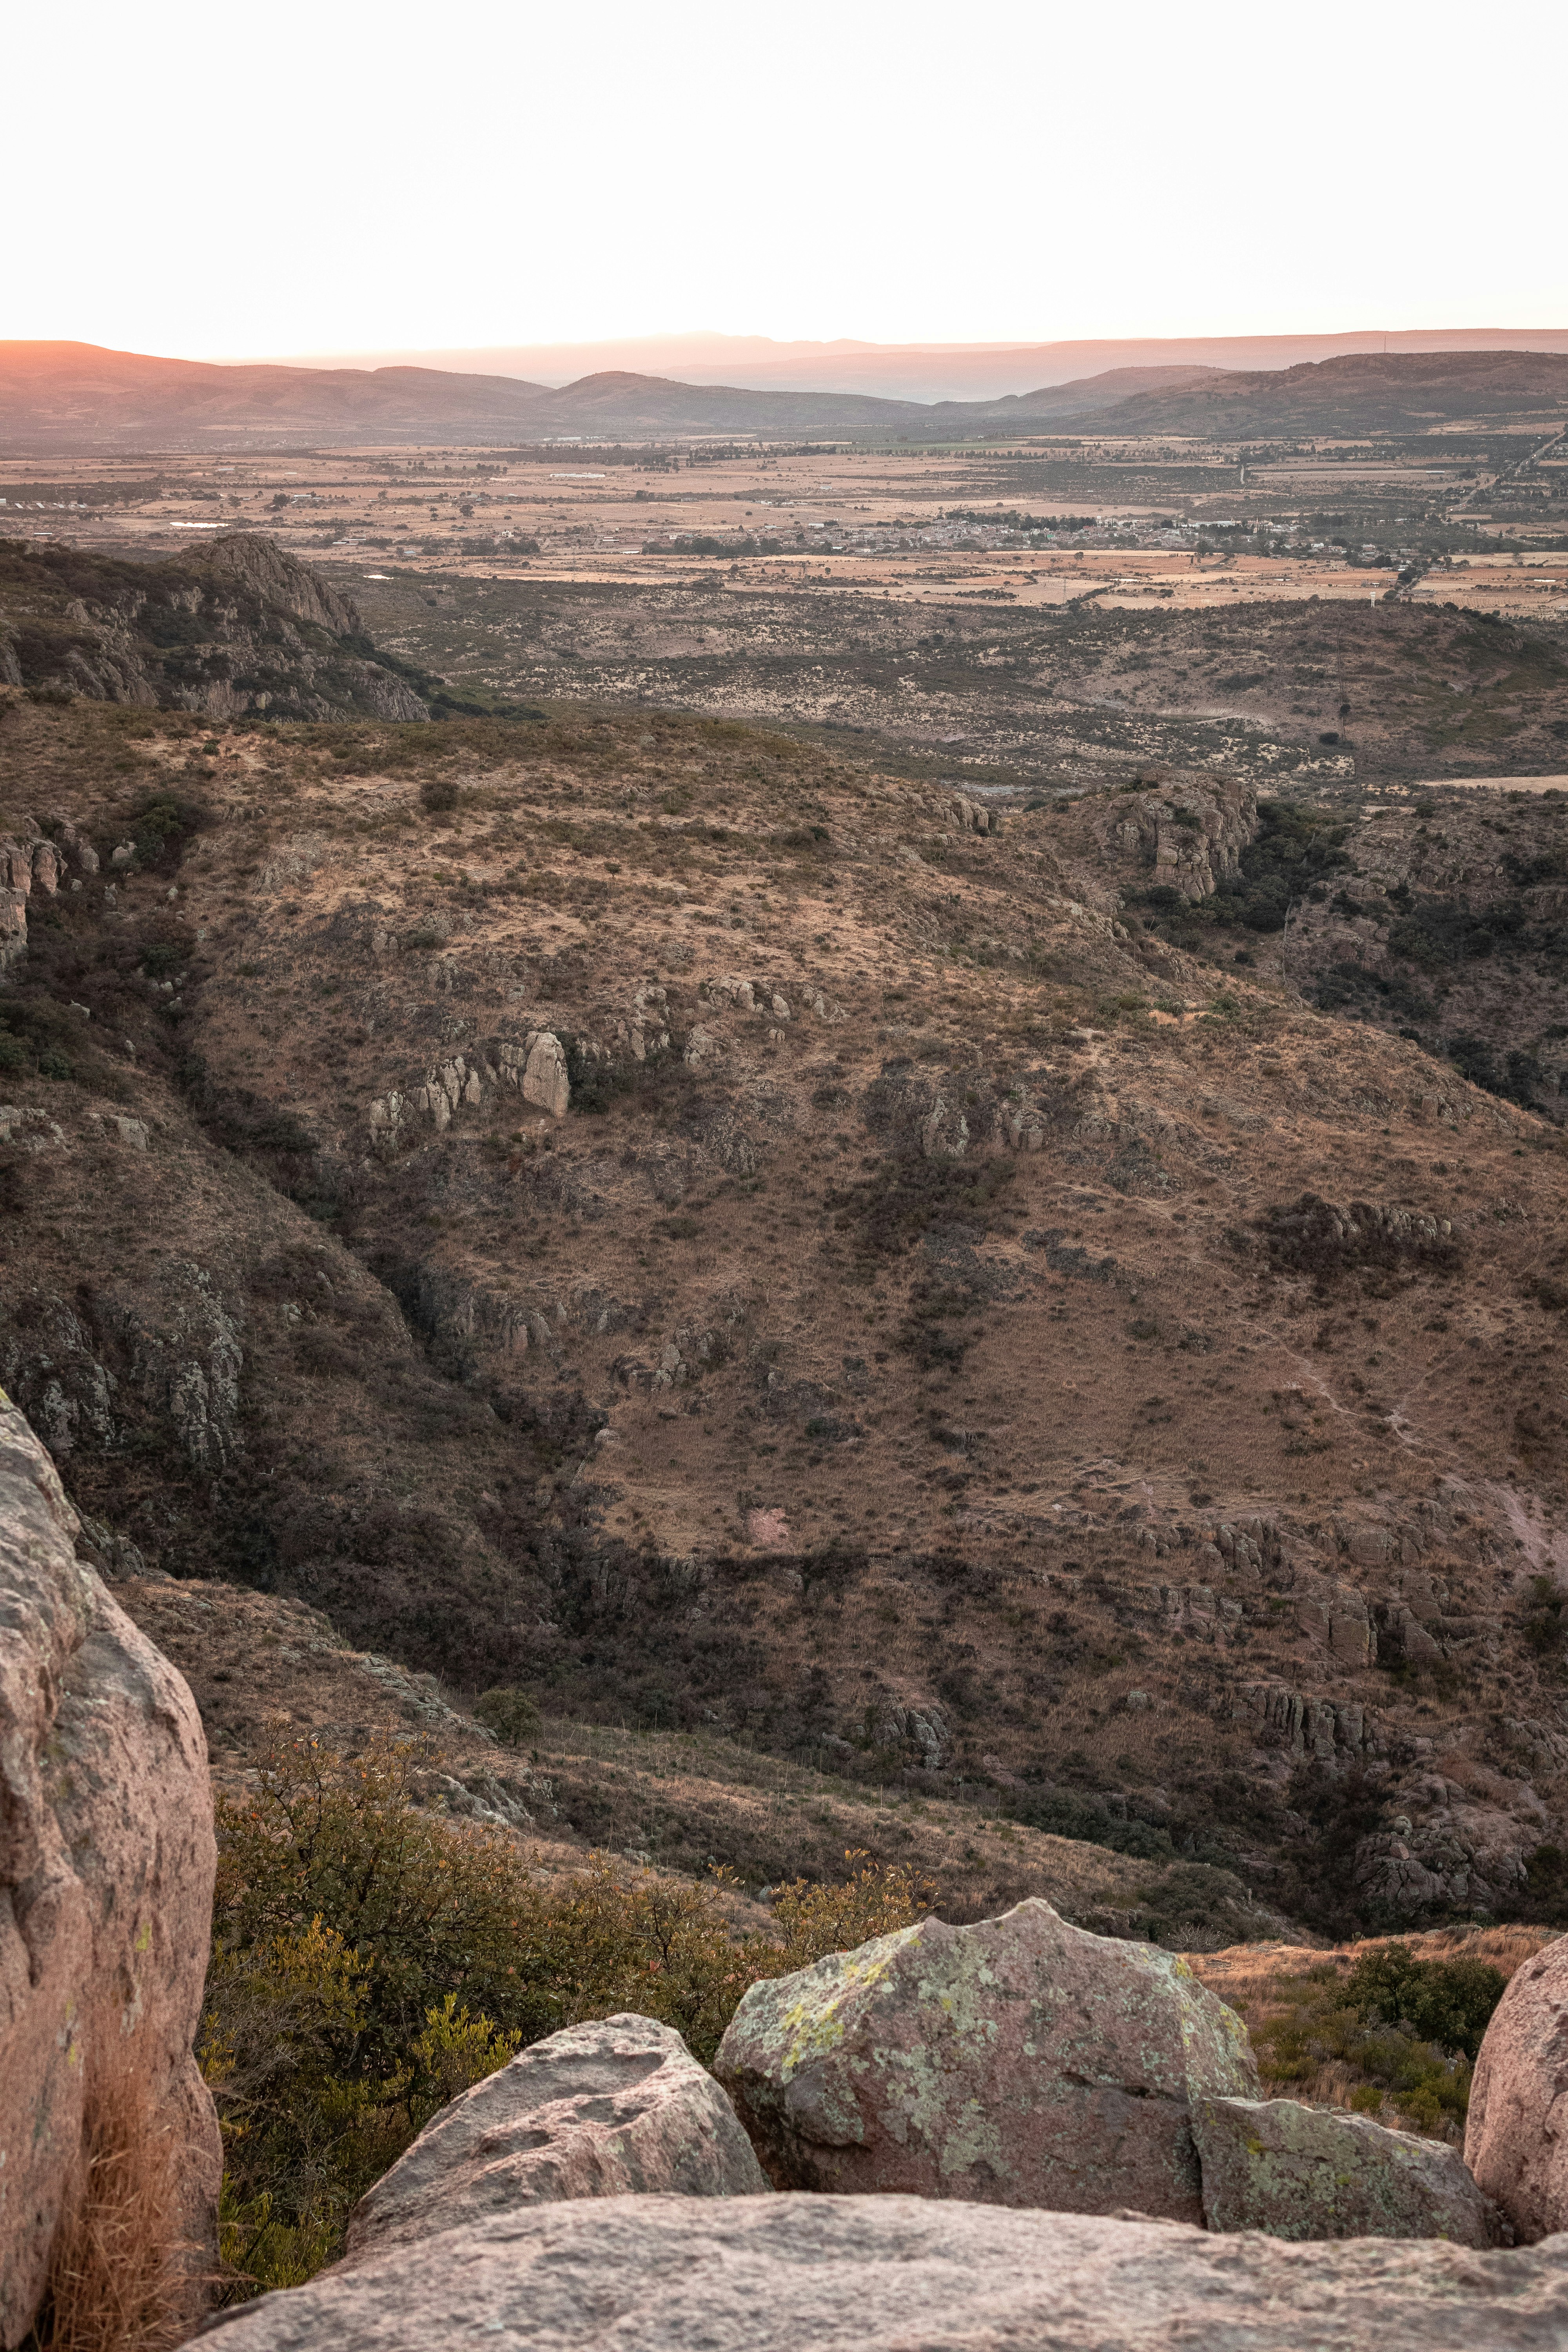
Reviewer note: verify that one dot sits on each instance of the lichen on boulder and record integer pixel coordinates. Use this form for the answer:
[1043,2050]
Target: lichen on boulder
[1296,2171]
[1017,2061]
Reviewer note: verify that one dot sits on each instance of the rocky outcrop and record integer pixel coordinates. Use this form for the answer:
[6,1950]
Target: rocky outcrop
[1516,2137]
[248,563]
[607,2109]
[29,862]
[918,1113]
[177,1350]
[1321,2172]
[535,1069]
[1190,833]
[236,627]
[1446,1853]
[1017,2061]
[972,816]
[189,1362]
[106,1879]
[888,2274]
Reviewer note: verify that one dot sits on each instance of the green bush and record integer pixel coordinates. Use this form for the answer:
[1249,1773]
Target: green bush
[511,1714]
[1449,2002]
[373,1956]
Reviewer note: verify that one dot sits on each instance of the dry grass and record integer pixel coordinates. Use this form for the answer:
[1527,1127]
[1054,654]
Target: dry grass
[1248,1976]
[120,2276]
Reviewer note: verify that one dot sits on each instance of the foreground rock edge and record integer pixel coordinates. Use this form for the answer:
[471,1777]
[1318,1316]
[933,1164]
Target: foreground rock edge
[770,2273]
[106,1880]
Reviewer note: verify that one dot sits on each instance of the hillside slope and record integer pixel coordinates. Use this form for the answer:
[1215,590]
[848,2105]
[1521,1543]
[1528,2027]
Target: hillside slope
[671,1218]
[79,396]
[1402,391]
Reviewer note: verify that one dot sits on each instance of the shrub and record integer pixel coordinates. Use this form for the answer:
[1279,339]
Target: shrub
[161,825]
[1060,1814]
[1411,2028]
[877,1898]
[1449,2002]
[372,1957]
[511,1714]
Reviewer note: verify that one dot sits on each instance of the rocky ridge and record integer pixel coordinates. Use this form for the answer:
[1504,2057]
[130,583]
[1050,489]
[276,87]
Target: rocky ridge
[239,628]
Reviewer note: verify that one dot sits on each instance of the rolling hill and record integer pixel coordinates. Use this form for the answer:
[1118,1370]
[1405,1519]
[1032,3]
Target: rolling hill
[76,396]
[925,372]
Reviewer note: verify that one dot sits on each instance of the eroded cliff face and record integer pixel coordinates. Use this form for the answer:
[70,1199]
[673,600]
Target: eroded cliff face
[679,1223]
[106,1879]
[1178,832]
[242,628]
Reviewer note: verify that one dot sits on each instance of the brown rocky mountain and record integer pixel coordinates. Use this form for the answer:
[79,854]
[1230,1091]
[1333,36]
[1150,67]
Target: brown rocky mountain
[78,395]
[733,1241]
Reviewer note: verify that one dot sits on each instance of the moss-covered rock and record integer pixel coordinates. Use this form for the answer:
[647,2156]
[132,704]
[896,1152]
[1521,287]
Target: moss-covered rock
[1017,2061]
[1321,2172]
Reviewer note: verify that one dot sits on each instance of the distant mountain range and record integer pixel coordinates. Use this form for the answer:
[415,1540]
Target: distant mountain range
[923,372]
[62,398]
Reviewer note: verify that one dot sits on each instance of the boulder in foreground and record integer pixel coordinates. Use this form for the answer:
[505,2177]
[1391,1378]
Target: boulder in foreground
[614,2108]
[902,2274]
[1017,2061]
[1319,2172]
[1516,2137]
[106,1880]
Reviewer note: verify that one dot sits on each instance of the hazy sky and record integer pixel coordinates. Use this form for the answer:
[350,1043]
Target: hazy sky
[201,180]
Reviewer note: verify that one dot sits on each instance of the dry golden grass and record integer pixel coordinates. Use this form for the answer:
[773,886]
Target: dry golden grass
[1248,1975]
[120,2276]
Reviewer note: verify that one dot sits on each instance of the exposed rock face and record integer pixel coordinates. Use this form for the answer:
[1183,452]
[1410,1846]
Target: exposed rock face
[271,636]
[601,2110]
[106,1879]
[887,2273]
[179,1352]
[26,862]
[536,1070]
[1191,833]
[1516,2140]
[543,1078]
[1018,2061]
[1313,2172]
[249,560]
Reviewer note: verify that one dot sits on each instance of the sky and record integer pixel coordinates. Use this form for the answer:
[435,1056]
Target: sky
[205,181]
